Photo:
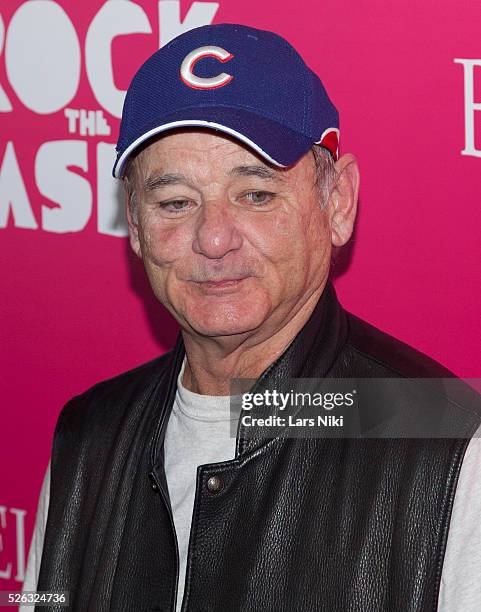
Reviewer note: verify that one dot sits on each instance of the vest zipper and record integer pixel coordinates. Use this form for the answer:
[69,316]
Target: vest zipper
[168,399]
[171,518]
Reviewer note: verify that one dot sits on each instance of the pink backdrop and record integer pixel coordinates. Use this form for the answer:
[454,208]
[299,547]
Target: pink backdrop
[75,305]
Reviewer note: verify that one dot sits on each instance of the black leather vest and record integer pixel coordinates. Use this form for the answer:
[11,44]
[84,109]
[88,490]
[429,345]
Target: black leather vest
[331,525]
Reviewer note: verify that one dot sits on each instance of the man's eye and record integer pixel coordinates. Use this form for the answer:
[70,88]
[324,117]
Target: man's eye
[259,197]
[175,206]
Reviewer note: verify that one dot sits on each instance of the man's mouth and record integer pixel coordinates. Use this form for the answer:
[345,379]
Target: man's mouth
[223,284]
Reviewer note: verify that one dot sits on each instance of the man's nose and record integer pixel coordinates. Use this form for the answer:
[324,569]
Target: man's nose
[216,232]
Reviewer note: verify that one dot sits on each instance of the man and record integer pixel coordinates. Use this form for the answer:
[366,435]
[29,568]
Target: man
[228,150]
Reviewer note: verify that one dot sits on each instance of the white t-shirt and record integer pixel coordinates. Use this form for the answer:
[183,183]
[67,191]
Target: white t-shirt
[198,432]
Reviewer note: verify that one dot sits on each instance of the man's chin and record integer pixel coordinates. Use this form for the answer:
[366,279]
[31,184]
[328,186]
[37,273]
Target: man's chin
[220,328]
[227,315]
[225,322]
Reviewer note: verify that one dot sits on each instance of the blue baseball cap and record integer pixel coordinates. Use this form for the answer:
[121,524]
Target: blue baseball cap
[248,83]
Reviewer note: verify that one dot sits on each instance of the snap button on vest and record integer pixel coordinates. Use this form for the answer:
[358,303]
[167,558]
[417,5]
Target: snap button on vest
[153,483]
[215,484]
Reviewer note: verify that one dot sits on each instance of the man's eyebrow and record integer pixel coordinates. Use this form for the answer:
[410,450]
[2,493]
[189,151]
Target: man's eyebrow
[156,181]
[262,172]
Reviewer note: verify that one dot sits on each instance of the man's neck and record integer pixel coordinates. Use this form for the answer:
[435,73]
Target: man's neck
[212,363]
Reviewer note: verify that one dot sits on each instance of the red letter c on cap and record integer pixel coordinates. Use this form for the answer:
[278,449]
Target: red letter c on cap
[196,82]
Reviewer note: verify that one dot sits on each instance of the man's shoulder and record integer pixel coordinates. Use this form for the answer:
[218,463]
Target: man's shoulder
[117,393]
[389,355]
[138,376]
[372,353]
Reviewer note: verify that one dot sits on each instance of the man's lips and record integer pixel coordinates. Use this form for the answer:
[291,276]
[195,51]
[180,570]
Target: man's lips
[224,284]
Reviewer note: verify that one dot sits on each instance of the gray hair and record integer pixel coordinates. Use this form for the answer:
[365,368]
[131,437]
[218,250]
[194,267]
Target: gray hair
[128,180]
[326,173]
[325,181]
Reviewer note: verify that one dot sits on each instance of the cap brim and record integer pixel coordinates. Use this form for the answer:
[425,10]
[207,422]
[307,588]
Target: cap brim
[277,144]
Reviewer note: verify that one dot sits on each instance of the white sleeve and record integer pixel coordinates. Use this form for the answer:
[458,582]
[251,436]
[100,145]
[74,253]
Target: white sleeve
[36,546]
[460,589]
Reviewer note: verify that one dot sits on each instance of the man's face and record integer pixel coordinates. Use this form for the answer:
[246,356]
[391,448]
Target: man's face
[231,245]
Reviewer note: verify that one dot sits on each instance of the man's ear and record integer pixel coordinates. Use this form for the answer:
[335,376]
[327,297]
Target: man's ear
[343,199]
[132,220]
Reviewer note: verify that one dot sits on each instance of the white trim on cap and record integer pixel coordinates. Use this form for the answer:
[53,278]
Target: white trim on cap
[190,122]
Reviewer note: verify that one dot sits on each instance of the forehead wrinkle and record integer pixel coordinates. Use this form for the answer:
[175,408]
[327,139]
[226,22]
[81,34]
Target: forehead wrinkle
[156,181]
[260,171]
[158,178]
